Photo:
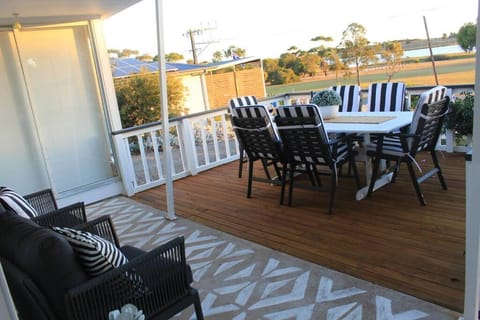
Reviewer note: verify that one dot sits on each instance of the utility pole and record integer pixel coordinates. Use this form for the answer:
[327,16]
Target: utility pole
[192,43]
[431,53]
[192,33]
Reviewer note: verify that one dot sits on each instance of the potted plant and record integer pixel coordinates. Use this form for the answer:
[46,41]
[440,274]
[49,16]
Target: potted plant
[460,118]
[328,100]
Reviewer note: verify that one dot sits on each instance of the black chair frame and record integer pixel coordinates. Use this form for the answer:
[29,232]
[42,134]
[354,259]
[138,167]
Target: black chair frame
[157,282]
[303,141]
[258,142]
[425,137]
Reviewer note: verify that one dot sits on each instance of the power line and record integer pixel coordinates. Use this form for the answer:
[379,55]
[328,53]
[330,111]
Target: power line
[192,34]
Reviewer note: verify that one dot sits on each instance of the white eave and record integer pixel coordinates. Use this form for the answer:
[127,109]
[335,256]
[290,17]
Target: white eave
[31,12]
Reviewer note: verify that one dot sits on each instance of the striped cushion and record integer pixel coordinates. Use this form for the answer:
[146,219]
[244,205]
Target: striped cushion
[16,203]
[96,254]
[350,95]
[387,96]
[391,146]
[242,101]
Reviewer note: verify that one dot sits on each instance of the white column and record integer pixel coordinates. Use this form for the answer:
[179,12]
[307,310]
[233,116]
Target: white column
[472,257]
[164,105]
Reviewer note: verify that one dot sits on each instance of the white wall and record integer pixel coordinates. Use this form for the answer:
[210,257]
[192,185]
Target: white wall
[195,99]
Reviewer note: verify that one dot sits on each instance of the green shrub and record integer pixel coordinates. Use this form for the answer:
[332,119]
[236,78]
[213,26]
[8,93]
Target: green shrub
[460,118]
[326,98]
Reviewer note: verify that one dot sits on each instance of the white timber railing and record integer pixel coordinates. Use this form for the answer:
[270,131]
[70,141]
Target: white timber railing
[205,140]
[198,142]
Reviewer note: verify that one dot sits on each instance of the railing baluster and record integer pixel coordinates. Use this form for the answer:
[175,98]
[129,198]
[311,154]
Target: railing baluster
[143,157]
[156,154]
[215,138]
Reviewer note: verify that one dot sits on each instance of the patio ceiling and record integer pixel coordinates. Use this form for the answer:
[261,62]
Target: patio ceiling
[58,11]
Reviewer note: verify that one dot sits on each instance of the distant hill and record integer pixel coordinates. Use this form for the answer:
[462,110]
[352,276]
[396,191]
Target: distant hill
[413,44]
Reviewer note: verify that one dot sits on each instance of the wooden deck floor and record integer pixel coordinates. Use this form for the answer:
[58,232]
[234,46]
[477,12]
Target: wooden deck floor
[388,239]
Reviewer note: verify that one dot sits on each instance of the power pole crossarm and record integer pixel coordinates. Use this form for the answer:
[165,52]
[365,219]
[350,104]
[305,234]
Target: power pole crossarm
[192,33]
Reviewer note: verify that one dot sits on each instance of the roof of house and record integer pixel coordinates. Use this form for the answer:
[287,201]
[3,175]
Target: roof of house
[123,67]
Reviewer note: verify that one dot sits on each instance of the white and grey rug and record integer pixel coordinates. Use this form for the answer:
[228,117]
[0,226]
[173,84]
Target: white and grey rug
[238,279]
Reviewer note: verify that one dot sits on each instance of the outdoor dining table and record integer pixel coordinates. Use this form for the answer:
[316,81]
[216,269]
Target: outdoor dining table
[365,124]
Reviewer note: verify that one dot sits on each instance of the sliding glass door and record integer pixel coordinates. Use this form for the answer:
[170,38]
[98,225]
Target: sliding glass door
[57,134]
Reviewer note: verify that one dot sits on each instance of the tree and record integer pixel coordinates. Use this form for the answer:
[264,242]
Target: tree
[173,56]
[311,63]
[217,56]
[145,57]
[466,36]
[334,61]
[270,67]
[138,98]
[392,52]
[322,52]
[128,53]
[355,48]
[292,62]
[233,52]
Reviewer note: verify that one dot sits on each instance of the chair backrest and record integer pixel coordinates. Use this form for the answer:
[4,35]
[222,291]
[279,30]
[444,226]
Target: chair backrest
[427,124]
[242,101]
[303,134]
[43,201]
[434,94]
[256,131]
[350,95]
[386,96]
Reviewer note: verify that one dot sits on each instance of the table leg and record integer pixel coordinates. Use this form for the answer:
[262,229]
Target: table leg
[381,181]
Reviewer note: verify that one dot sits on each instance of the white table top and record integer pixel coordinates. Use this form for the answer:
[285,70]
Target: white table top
[401,119]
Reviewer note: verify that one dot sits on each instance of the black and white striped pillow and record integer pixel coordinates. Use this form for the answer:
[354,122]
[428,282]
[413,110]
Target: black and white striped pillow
[16,203]
[96,254]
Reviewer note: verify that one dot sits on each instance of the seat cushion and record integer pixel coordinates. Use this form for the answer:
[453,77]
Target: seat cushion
[96,254]
[16,203]
[42,254]
[391,146]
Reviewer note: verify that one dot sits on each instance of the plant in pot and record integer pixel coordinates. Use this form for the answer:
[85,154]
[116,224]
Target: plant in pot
[328,101]
[460,118]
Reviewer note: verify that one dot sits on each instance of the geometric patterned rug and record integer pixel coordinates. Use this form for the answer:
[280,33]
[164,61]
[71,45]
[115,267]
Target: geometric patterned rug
[238,279]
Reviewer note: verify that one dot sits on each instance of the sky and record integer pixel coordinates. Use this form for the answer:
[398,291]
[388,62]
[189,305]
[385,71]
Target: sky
[267,28]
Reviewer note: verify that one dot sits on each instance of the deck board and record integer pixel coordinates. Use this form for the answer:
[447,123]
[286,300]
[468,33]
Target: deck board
[388,239]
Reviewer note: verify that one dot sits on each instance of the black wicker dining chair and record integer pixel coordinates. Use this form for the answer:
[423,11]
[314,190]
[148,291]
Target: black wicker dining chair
[422,135]
[256,132]
[307,143]
[241,102]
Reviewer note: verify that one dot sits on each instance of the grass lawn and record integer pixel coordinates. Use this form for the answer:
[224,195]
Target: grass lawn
[458,71]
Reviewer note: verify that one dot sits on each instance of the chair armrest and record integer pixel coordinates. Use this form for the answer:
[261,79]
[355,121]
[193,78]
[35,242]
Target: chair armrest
[68,216]
[43,201]
[101,226]
[152,282]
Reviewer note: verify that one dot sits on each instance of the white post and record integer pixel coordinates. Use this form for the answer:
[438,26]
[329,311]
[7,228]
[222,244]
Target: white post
[7,308]
[190,148]
[472,257]
[164,106]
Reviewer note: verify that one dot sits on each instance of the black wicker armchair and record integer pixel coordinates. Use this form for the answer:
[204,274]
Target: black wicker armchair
[49,214]
[51,284]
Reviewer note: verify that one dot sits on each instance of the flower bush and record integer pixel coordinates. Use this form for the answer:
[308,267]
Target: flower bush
[326,98]
[460,118]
